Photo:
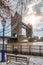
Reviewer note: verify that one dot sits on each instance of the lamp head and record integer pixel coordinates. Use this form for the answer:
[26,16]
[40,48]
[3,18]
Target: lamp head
[3,22]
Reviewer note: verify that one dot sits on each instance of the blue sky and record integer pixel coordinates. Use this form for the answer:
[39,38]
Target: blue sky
[8,29]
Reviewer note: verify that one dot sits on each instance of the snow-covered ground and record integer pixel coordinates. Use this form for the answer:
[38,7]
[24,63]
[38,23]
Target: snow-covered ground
[33,60]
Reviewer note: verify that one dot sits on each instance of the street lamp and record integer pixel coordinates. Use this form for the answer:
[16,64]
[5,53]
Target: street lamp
[3,51]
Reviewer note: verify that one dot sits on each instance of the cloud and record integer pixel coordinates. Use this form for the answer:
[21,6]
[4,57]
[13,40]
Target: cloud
[37,8]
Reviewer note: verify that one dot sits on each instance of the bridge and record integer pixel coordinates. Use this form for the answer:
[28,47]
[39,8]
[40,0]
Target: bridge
[18,28]
[19,31]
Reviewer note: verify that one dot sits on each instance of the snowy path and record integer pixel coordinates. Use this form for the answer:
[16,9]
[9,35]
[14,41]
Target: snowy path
[34,60]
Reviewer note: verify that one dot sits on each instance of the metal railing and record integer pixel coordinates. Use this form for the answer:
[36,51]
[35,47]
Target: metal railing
[24,49]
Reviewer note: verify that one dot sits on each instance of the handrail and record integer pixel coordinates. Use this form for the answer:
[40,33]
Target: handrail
[24,48]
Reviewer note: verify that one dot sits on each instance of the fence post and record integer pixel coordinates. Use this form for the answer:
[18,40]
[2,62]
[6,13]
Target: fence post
[6,48]
[12,48]
[40,50]
[20,48]
[29,49]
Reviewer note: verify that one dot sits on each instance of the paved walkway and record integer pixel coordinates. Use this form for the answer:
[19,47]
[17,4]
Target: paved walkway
[33,60]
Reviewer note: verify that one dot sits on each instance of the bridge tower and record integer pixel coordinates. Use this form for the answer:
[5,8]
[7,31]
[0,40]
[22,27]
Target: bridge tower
[17,27]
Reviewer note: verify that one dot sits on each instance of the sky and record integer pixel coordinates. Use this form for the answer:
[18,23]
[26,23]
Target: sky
[32,12]
[7,28]
[34,16]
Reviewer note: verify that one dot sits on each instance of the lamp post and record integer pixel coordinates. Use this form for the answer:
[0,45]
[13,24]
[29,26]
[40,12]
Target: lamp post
[3,51]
